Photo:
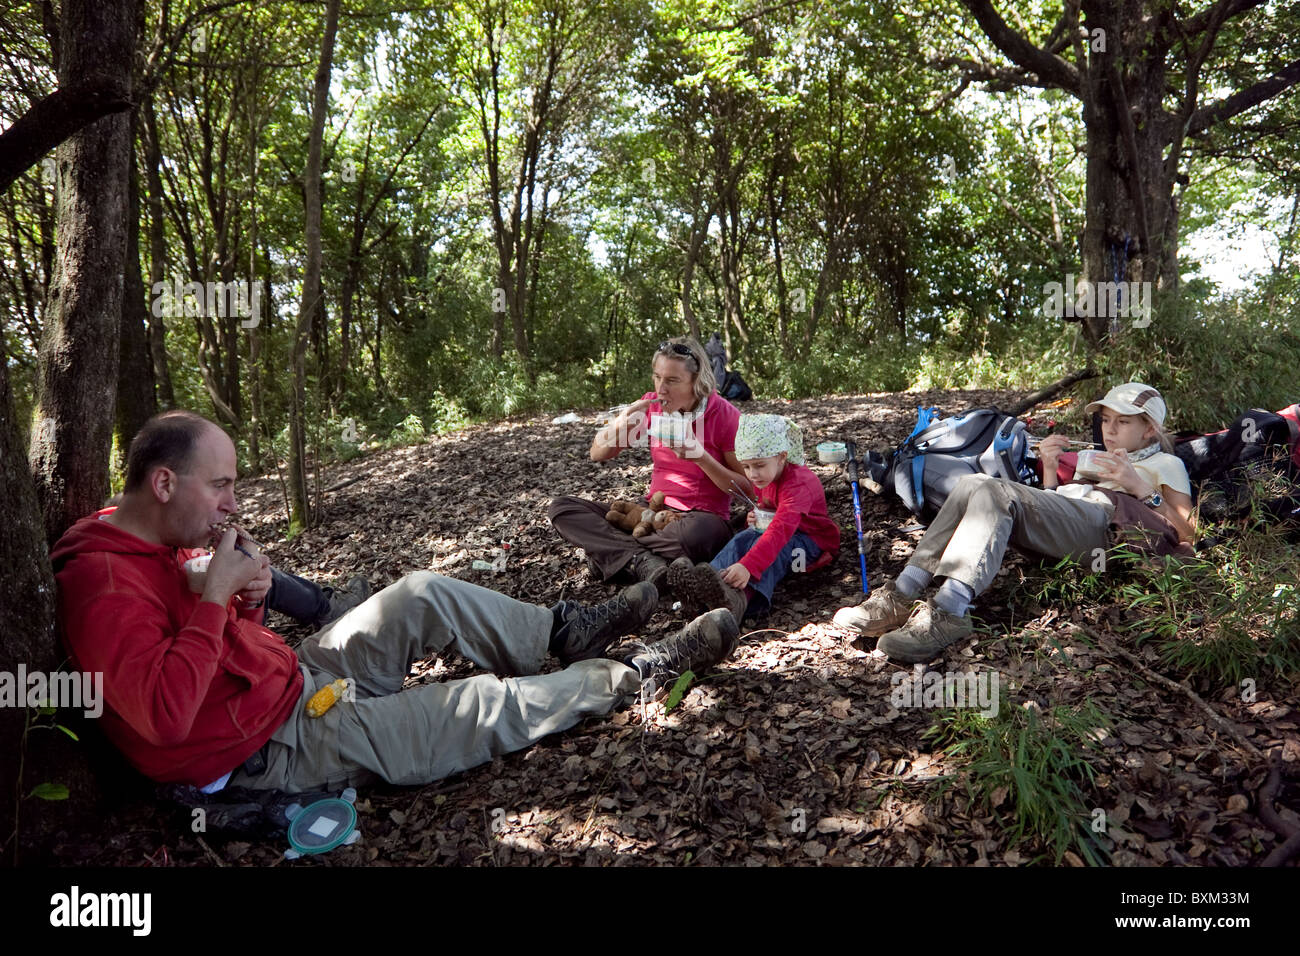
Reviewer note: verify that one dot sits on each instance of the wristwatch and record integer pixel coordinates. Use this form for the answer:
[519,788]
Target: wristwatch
[1153,500]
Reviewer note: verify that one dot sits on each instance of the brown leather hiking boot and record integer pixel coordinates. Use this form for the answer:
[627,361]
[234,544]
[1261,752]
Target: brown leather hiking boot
[884,610]
[700,588]
[927,632]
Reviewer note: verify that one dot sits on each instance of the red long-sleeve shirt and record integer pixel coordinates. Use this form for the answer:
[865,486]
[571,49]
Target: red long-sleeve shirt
[800,504]
[191,688]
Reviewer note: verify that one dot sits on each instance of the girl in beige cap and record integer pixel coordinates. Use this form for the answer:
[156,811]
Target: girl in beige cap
[1134,482]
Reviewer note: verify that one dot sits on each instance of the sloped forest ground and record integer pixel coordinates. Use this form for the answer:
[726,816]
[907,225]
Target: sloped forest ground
[791,752]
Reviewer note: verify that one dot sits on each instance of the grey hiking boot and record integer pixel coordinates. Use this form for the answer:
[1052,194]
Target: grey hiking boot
[705,641]
[925,635]
[588,630]
[884,610]
[343,600]
[700,588]
[648,566]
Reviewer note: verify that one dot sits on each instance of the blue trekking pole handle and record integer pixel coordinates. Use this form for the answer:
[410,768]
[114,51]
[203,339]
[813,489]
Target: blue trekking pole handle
[851,465]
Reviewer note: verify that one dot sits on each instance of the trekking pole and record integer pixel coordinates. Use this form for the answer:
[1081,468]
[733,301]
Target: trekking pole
[851,464]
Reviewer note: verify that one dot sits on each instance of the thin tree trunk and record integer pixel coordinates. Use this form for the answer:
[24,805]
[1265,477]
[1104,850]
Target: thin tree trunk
[157,256]
[135,379]
[312,291]
[693,247]
[774,231]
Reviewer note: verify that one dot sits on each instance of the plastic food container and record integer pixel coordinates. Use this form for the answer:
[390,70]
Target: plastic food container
[832,452]
[671,429]
[196,571]
[322,826]
[1087,465]
[763,518]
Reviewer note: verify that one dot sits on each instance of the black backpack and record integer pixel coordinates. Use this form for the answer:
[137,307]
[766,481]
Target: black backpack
[941,451]
[1223,466]
[734,388]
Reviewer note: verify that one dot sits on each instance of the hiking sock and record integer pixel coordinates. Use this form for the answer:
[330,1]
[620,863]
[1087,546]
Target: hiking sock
[954,597]
[912,581]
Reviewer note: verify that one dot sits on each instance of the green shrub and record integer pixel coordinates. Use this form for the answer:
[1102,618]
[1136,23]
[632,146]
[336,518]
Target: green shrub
[1040,761]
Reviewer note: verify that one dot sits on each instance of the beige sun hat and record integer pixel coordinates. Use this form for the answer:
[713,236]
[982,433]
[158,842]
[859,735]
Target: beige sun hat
[1133,398]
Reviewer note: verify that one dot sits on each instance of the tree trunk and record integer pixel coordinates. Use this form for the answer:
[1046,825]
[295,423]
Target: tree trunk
[1139,109]
[27,599]
[157,255]
[73,423]
[376,350]
[693,247]
[74,417]
[135,378]
[1128,194]
[774,231]
[312,292]
[729,254]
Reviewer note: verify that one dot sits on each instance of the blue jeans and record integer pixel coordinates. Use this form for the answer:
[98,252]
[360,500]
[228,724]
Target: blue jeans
[762,588]
[297,597]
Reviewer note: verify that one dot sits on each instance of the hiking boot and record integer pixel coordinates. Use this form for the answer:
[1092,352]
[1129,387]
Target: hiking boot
[588,630]
[700,588]
[648,566]
[927,632]
[702,643]
[884,610]
[343,600]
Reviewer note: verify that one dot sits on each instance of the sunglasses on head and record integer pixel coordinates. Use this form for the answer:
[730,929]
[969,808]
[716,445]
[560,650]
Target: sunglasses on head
[677,348]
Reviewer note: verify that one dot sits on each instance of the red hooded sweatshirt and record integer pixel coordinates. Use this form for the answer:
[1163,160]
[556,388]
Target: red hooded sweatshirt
[191,689]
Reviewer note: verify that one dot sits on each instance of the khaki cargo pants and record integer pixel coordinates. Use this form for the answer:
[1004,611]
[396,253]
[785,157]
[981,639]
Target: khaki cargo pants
[425,733]
[969,536]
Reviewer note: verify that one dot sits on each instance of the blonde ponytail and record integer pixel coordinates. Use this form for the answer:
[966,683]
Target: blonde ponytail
[1162,436]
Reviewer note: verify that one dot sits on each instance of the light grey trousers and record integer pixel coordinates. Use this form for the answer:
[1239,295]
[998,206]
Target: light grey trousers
[970,534]
[425,733]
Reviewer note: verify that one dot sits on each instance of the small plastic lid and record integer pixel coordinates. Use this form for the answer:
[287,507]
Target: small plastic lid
[322,826]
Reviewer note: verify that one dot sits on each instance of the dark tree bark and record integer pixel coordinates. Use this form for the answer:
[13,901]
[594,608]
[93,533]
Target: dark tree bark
[312,291]
[78,370]
[27,599]
[79,349]
[157,255]
[776,195]
[1122,66]
[135,378]
[694,245]
[54,119]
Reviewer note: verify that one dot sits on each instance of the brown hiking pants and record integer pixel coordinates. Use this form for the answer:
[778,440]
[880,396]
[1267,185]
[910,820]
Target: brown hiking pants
[699,535]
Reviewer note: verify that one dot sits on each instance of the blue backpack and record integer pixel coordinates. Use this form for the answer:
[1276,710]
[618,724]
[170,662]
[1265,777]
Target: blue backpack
[941,451]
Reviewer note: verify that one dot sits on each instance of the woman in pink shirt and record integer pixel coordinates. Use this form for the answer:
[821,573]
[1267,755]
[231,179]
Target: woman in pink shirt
[694,473]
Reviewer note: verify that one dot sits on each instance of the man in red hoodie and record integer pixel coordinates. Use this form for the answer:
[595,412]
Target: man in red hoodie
[197,691]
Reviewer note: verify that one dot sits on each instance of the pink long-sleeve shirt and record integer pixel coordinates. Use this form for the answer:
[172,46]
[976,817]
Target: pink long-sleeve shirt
[685,485]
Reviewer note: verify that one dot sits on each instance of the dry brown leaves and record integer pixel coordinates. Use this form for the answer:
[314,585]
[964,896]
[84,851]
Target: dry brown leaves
[790,753]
